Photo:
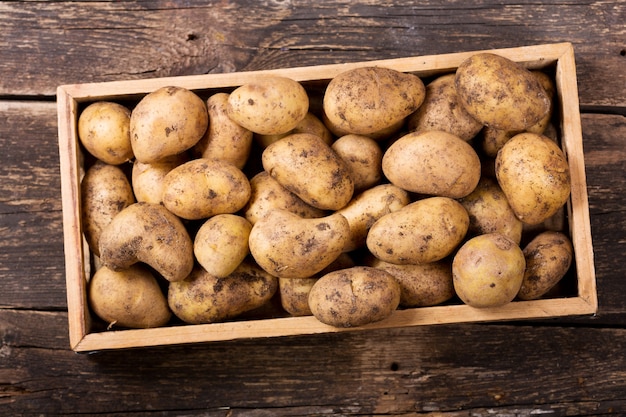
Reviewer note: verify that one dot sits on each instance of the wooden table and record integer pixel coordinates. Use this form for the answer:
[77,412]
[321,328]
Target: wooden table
[556,367]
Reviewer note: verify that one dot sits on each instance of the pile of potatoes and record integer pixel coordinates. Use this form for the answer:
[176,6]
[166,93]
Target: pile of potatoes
[395,194]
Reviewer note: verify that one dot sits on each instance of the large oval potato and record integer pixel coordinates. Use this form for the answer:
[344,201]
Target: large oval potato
[442,110]
[433,163]
[288,246]
[534,174]
[104,130]
[129,297]
[205,298]
[370,99]
[269,105]
[224,139]
[354,296]
[305,165]
[363,156]
[500,93]
[548,258]
[105,191]
[367,207]
[202,188]
[168,121]
[427,230]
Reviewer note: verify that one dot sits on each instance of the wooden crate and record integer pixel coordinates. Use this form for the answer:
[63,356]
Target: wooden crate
[558,58]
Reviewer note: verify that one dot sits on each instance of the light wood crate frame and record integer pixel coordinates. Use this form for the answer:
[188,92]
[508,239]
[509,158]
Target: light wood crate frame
[77,256]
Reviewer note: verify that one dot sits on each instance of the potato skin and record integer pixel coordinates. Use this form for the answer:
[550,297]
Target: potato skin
[433,163]
[534,174]
[167,121]
[370,99]
[270,105]
[363,156]
[267,194]
[424,231]
[147,179]
[442,110]
[354,296]
[224,139]
[203,187]
[548,258]
[205,298]
[488,270]
[128,298]
[309,168]
[105,191]
[104,130]
[421,285]
[369,206]
[221,243]
[500,93]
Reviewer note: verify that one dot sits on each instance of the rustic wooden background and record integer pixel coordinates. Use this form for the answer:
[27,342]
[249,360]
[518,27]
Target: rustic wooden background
[560,367]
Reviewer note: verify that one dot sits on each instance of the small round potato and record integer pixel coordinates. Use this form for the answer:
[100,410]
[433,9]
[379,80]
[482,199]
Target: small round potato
[305,165]
[166,122]
[205,298]
[364,156]
[130,298]
[488,270]
[105,191]
[500,93]
[427,230]
[369,206]
[224,139]
[534,174]
[221,243]
[490,212]
[370,99]
[202,188]
[433,163]
[267,194]
[288,246]
[442,110]
[548,258]
[269,105]
[104,130]
[354,296]
[147,179]
[421,285]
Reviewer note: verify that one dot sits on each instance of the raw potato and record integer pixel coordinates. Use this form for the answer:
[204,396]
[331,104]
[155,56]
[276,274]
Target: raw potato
[364,156]
[548,258]
[433,163]
[490,212]
[370,99]
[309,168]
[288,246]
[427,230]
[267,194]
[104,130]
[105,191]
[354,296]
[488,271]
[534,175]
[369,206]
[270,105]
[224,139]
[421,285]
[128,298]
[500,93]
[202,188]
[166,122]
[149,233]
[221,243]
[442,110]
[147,179]
[379,135]
[204,298]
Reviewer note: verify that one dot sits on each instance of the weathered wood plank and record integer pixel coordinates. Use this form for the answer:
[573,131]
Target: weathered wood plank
[457,369]
[101,41]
